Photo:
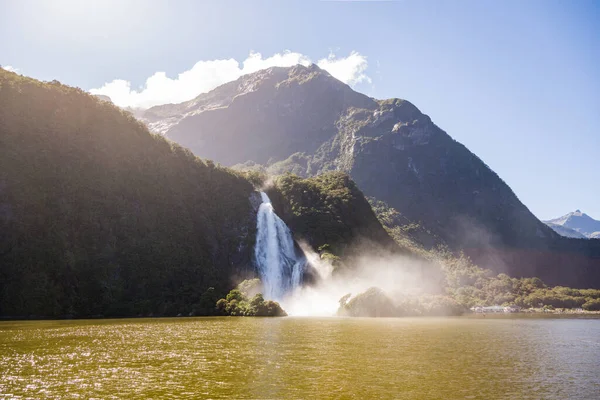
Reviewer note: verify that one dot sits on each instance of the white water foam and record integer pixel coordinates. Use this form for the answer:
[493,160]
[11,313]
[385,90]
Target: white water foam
[279,264]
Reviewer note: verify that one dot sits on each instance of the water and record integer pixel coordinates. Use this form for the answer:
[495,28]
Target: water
[279,264]
[325,358]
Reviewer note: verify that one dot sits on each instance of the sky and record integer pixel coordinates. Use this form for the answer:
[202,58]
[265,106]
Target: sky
[517,82]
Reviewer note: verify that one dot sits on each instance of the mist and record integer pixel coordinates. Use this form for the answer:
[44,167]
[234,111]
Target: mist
[399,276]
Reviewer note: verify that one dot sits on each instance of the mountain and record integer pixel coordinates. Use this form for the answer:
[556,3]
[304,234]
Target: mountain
[301,119]
[329,210]
[103,97]
[579,222]
[100,217]
[564,231]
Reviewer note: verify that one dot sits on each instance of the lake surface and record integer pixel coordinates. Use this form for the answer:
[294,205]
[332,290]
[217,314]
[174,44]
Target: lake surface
[277,358]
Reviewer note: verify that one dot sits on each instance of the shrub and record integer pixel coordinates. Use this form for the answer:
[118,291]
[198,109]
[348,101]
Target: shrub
[250,287]
[236,303]
[592,305]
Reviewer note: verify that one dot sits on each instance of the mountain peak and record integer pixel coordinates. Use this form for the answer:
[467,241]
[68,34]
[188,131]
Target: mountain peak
[302,67]
[288,88]
[577,221]
[103,97]
[275,76]
[304,73]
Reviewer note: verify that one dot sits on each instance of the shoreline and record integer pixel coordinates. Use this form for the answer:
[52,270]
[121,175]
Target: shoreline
[469,314]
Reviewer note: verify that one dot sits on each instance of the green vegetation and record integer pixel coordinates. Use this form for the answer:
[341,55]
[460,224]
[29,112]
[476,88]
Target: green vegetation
[100,217]
[296,164]
[374,302]
[592,304]
[250,287]
[393,152]
[330,210]
[468,285]
[238,302]
[408,234]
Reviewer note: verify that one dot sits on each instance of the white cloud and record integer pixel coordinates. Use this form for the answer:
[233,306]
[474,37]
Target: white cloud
[350,70]
[255,62]
[11,69]
[207,75]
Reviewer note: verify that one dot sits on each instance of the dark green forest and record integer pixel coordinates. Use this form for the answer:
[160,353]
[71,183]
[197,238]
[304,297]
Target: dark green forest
[329,210]
[246,300]
[98,217]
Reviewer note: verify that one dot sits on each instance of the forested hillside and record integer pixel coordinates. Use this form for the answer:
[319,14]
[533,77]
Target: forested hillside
[100,217]
[303,120]
[330,210]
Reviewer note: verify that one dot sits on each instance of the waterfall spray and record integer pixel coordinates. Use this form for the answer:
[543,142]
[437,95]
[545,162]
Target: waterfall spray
[279,264]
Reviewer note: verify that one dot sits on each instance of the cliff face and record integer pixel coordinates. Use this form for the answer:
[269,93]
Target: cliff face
[100,217]
[301,119]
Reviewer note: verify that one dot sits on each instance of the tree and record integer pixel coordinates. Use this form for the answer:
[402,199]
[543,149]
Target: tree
[236,303]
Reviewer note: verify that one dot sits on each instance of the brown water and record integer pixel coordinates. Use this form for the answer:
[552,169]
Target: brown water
[261,358]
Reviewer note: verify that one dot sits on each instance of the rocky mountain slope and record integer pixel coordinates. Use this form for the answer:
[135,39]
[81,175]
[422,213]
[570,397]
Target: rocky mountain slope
[100,217]
[577,221]
[303,120]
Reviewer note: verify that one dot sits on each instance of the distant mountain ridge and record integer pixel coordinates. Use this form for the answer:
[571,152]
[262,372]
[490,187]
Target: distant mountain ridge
[302,120]
[576,221]
[566,232]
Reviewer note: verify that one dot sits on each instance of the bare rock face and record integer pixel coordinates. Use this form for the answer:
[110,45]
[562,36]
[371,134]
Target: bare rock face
[274,113]
[302,120]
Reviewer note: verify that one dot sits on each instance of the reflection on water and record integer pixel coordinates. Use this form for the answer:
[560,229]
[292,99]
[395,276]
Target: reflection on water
[486,358]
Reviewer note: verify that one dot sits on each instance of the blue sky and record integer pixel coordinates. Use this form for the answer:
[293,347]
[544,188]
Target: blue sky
[517,82]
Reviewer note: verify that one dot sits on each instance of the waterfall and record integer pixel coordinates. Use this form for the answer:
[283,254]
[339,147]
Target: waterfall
[279,264]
